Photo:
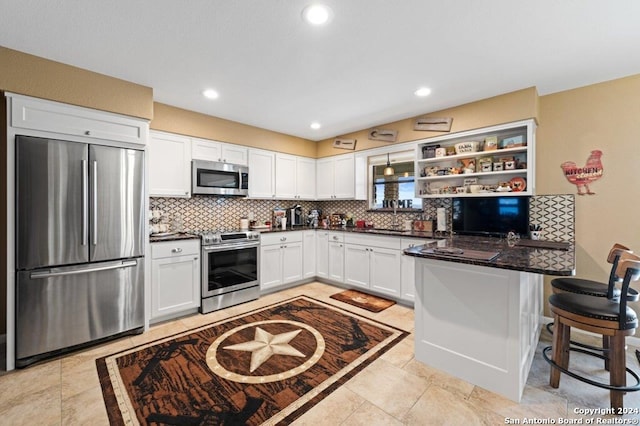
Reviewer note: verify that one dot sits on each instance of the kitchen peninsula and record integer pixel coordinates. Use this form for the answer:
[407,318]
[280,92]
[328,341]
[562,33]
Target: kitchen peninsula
[479,304]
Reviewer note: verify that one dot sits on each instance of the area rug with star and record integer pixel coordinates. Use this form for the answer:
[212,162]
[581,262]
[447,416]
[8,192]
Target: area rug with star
[267,366]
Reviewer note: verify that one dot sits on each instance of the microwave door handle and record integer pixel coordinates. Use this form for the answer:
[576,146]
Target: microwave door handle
[94,213]
[85,203]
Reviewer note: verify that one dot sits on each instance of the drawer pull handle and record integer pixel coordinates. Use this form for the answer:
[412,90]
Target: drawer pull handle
[176,250]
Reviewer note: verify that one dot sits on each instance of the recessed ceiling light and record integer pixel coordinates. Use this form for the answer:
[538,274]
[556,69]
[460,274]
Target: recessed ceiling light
[315,125]
[423,91]
[211,94]
[316,14]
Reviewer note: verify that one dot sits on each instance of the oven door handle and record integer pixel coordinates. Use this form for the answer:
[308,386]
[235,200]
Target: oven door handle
[230,247]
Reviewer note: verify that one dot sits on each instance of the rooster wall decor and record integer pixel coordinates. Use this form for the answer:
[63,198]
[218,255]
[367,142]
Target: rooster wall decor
[582,177]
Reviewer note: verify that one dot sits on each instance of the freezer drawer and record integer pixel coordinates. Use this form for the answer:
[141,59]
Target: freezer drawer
[58,308]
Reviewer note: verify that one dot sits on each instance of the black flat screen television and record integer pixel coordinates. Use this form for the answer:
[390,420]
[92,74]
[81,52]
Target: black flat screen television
[490,216]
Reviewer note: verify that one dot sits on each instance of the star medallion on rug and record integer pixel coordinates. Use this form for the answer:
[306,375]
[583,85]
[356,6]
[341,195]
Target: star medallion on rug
[267,366]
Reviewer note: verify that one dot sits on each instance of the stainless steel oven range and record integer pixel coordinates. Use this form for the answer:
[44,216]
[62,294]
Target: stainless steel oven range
[230,268]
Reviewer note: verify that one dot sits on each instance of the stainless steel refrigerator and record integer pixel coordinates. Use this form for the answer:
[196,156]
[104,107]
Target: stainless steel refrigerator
[79,245]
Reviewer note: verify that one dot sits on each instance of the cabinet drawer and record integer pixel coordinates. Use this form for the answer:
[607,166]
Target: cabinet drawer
[175,248]
[373,240]
[336,237]
[268,238]
[55,117]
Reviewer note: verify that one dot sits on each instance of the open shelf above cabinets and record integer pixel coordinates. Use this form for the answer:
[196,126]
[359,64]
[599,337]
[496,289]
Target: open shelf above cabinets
[492,161]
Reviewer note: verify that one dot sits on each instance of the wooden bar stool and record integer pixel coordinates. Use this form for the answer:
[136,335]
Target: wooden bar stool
[595,289]
[610,318]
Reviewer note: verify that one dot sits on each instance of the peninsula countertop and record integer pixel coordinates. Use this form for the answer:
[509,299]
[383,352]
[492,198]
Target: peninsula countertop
[550,259]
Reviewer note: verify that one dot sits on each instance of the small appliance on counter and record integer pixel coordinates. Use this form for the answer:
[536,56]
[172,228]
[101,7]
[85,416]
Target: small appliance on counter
[294,216]
[312,218]
[278,214]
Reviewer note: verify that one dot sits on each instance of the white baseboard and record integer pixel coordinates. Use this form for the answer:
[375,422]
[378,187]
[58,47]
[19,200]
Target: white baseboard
[631,340]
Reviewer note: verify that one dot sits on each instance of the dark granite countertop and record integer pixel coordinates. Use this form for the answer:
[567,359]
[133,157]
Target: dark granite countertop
[173,237]
[376,231]
[518,257]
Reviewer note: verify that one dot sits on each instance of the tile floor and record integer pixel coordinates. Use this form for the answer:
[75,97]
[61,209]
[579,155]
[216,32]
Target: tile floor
[393,390]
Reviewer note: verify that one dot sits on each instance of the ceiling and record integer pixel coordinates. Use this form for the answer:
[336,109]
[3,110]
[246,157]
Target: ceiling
[274,71]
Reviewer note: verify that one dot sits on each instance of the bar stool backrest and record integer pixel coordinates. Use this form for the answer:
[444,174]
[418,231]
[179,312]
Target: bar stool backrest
[613,258]
[629,270]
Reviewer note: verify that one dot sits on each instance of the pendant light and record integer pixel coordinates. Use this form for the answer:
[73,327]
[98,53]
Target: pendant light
[388,171]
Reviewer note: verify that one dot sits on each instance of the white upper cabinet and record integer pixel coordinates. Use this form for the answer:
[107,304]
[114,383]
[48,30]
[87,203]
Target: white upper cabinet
[262,166]
[169,165]
[285,176]
[295,177]
[203,149]
[335,177]
[55,117]
[492,161]
[306,178]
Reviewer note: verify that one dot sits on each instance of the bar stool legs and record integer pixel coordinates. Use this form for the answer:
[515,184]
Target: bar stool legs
[560,347]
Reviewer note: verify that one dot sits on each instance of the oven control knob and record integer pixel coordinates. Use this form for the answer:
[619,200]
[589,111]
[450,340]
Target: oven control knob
[215,238]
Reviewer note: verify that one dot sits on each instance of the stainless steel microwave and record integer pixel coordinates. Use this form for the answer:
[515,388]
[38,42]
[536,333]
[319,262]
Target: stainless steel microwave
[217,178]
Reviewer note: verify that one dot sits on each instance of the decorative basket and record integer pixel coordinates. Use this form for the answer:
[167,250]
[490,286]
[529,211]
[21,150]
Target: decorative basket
[465,147]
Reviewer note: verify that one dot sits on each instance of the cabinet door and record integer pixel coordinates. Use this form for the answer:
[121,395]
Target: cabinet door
[48,116]
[324,179]
[285,176]
[291,262]
[384,271]
[309,254]
[234,154]
[344,173]
[322,254]
[360,178]
[175,285]
[356,265]
[270,266]
[202,149]
[169,165]
[407,278]
[306,178]
[336,261]
[261,174]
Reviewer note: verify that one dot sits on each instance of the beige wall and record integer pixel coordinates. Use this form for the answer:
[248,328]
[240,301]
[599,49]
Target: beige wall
[176,120]
[506,108]
[42,78]
[606,117]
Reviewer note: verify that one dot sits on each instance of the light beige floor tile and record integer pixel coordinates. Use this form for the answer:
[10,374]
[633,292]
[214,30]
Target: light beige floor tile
[158,331]
[438,406]
[85,408]
[400,354]
[460,388]
[18,386]
[332,410]
[388,387]
[535,403]
[370,415]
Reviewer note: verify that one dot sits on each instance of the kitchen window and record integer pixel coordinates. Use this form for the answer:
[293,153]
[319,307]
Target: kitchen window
[400,186]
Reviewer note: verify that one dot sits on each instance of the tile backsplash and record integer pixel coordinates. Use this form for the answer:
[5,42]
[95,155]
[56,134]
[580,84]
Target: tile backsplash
[555,213]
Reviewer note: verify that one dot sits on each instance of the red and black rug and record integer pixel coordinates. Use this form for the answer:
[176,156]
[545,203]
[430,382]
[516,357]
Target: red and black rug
[267,366]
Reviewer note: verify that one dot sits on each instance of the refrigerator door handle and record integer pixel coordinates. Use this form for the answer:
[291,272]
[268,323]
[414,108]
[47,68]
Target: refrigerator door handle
[85,203]
[119,265]
[94,220]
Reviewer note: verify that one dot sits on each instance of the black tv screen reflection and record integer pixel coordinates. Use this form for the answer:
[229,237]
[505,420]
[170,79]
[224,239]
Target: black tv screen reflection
[490,216]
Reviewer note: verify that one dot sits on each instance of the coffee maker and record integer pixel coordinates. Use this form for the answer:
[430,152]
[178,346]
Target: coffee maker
[294,215]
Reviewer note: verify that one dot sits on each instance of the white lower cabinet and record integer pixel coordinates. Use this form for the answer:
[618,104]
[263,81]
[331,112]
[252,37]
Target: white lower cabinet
[373,262]
[336,256]
[322,254]
[175,277]
[280,259]
[309,257]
